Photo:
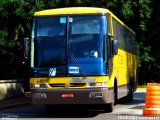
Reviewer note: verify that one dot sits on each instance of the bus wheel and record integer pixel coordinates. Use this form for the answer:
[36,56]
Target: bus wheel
[115,97]
[129,97]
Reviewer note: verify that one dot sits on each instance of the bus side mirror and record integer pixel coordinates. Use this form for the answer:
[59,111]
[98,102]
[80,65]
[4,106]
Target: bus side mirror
[115,47]
[26,43]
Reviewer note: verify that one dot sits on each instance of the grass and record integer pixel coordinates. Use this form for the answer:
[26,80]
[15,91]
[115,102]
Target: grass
[141,86]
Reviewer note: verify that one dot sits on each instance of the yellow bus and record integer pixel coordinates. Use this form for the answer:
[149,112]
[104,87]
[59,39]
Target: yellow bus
[81,55]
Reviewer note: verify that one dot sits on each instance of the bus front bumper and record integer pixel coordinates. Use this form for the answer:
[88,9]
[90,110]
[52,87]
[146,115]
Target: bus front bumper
[72,96]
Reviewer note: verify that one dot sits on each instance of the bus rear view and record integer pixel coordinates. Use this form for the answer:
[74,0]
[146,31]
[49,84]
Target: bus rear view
[72,57]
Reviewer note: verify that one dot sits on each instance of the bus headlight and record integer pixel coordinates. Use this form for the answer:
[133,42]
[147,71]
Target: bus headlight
[97,84]
[39,86]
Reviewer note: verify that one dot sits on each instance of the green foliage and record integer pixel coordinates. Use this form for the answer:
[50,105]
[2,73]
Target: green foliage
[127,11]
[143,54]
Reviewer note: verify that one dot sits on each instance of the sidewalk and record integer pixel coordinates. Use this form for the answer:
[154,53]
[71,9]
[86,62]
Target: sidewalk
[141,88]
[15,102]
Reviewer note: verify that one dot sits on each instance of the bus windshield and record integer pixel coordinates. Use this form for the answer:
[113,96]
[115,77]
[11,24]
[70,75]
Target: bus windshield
[70,44]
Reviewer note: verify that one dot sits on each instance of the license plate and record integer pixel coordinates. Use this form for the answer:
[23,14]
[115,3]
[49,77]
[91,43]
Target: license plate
[67,95]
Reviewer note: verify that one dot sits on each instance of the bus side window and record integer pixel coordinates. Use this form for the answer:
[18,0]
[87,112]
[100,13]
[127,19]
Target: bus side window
[110,37]
[117,36]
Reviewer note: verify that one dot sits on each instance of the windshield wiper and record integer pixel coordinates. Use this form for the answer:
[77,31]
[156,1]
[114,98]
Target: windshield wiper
[77,64]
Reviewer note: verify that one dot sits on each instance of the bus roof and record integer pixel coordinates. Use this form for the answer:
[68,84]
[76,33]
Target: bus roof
[79,10]
[72,10]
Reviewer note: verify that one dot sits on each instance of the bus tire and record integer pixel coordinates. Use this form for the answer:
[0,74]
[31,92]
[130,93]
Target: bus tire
[115,92]
[129,97]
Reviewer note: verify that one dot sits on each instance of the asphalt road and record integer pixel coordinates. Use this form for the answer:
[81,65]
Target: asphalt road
[131,110]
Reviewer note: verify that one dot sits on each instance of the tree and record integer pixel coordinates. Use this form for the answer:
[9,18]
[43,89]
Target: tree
[16,21]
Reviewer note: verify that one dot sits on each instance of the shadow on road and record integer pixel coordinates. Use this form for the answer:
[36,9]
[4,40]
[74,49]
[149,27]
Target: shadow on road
[72,112]
[138,100]
[139,97]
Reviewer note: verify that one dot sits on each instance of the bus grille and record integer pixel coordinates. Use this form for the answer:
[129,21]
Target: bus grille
[57,85]
[77,84]
[71,85]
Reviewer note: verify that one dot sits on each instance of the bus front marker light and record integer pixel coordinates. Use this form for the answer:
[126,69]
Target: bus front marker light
[98,84]
[40,86]
[37,85]
[101,84]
